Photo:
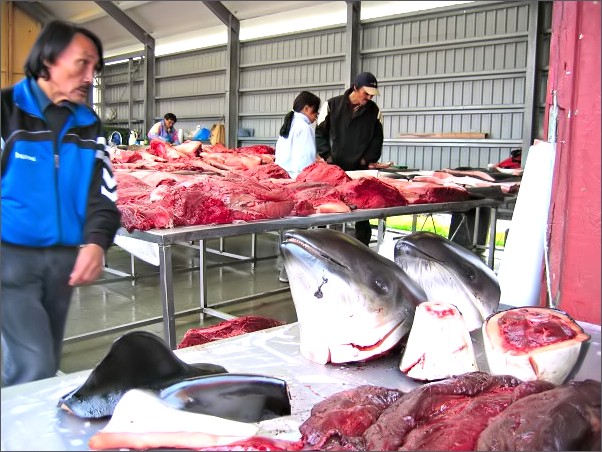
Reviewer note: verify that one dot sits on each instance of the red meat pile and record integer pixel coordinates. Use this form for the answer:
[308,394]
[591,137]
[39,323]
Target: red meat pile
[227,328]
[475,411]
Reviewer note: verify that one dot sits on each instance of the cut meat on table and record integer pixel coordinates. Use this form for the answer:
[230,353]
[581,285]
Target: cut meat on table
[225,329]
[533,343]
[370,193]
[424,192]
[563,418]
[337,420]
[474,411]
[323,172]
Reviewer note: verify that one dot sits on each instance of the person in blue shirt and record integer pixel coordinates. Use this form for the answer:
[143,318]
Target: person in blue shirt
[58,198]
[296,145]
[164,130]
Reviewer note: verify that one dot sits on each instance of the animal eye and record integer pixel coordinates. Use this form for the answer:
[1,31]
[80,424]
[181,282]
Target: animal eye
[469,272]
[380,286]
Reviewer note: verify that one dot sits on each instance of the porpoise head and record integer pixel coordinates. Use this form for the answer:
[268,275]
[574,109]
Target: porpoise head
[352,304]
[450,273]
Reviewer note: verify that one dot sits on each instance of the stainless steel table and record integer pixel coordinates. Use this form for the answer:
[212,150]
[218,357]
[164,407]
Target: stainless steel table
[166,238]
[32,421]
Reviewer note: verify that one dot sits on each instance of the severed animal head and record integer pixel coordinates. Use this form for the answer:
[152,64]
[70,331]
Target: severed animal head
[352,304]
[450,273]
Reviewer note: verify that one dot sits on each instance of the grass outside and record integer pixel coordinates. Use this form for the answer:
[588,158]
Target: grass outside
[438,224]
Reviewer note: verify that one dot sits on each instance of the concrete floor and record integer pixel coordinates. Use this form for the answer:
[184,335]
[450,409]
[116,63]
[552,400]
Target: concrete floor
[116,301]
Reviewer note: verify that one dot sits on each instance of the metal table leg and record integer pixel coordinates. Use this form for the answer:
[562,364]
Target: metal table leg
[492,232]
[167,295]
[203,277]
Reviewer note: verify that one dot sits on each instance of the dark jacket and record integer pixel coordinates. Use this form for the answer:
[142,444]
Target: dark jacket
[347,136]
[55,190]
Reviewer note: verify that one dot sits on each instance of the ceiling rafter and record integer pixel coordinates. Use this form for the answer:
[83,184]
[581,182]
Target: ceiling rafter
[36,10]
[127,22]
[223,14]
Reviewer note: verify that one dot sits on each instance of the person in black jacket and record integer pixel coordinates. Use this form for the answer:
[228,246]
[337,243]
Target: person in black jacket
[58,198]
[349,133]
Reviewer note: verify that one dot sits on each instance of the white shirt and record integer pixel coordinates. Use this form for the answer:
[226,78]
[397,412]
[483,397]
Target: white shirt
[299,149]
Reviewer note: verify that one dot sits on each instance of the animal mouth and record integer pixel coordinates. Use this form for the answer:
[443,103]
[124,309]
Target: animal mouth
[380,342]
[313,251]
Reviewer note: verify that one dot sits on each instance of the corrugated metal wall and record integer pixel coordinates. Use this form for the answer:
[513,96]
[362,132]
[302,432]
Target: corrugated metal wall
[459,71]
[273,71]
[465,68]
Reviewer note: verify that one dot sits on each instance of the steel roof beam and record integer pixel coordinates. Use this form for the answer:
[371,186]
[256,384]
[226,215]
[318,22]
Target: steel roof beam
[126,22]
[223,14]
[36,10]
[232,70]
[352,52]
[149,57]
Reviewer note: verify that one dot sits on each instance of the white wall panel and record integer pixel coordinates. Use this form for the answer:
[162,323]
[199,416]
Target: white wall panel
[462,68]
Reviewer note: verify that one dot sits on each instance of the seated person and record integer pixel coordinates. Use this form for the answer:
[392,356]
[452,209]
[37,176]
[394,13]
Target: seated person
[164,130]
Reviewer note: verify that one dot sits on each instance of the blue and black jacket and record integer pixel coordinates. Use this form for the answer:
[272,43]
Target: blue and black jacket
[56,190]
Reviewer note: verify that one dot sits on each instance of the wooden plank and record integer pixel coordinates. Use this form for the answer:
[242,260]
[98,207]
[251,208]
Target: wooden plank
[465,135]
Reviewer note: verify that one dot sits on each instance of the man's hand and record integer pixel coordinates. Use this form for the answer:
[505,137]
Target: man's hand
[88,265]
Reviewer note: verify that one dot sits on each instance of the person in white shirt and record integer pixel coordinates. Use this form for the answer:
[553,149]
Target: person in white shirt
[296,145]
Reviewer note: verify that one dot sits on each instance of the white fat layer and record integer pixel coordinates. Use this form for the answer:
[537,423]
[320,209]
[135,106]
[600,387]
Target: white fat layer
[141,411]
[438,346]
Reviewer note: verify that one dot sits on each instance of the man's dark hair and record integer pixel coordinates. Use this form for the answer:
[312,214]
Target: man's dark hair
[54,38]
[171,117]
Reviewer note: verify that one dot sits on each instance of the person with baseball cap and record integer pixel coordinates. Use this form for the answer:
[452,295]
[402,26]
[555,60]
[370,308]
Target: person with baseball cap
[349,133]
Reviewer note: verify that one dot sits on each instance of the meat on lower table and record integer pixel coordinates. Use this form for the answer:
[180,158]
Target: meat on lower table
[474,411]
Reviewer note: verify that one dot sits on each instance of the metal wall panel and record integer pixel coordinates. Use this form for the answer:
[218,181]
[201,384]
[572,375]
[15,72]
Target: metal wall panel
[274,70]
[463,68]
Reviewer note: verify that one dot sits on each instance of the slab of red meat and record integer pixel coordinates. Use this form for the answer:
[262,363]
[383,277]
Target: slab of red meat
[144,215]
[227,328]
[319,195]
[440,400]
[257,149]
[302,209]
[465,418]
[370,193]
[564,418]
[131,188]
[500,412]
[339,421]
[323,172]
[424,192]
[156,178]
[193,206]
[267,171]
[164,150]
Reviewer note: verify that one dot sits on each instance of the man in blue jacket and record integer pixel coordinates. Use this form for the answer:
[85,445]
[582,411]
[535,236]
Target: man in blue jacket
[58,198]
[349,133]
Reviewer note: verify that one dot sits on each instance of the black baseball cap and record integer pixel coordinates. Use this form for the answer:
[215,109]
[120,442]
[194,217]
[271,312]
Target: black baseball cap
[368,81]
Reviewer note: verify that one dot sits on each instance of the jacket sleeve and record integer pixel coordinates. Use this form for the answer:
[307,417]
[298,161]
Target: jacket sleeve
[323,132]
[175,139]
[375,148]
[153,133]
[102,215]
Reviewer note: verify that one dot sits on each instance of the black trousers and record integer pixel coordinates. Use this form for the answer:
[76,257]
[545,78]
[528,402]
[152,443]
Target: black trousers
[363,231]
[463,232]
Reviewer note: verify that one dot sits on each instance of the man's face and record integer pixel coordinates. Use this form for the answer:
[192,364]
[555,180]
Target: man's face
[72,74]
[169,123]
[363,96]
